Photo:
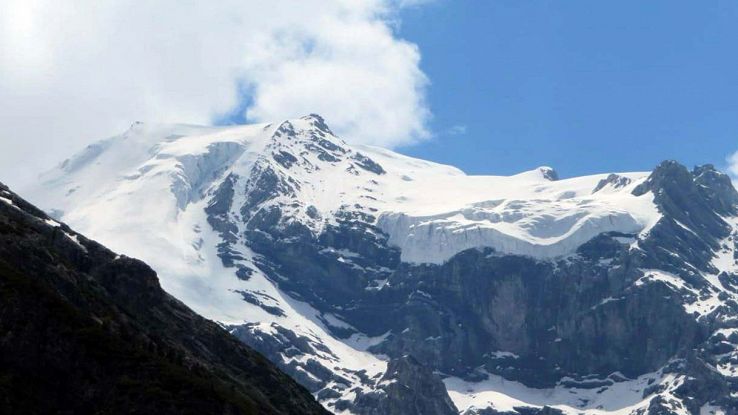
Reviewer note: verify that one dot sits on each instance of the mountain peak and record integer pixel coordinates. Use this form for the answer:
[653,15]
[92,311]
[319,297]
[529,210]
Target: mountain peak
[318,122]
[548,173]
[541,172]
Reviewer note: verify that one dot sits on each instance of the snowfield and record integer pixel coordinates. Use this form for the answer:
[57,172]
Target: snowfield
[430,211]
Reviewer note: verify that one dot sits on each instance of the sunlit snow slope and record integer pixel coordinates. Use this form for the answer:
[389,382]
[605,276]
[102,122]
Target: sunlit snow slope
[431,211]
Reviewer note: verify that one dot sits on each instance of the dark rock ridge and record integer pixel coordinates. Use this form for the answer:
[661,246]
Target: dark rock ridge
[407,388]
[85,331]
[615,180]
[549,174]
[588,315]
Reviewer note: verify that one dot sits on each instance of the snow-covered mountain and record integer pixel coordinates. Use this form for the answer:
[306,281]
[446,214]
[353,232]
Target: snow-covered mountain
[387,284]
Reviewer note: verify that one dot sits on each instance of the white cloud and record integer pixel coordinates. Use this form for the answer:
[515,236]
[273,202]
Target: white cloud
[733,168]
[75,72]
[733,164]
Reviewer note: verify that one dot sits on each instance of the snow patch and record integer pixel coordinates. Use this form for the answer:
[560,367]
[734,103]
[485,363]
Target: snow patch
[7,201]
[620,398]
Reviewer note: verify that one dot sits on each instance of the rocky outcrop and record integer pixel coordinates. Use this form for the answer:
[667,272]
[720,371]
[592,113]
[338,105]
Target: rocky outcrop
[407,388]
[615,181]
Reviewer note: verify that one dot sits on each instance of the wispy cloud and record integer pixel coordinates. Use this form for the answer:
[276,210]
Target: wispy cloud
[458,129]
[74,72]
[733,167]
[733,164]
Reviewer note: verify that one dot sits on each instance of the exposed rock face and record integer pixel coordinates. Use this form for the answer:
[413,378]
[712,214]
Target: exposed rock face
[551,317]
[613,180]
[83,330]
[407,388]
[549,174]
[717,189]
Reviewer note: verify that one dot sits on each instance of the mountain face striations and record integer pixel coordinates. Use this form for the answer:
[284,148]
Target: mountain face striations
[387,284]
[83,330]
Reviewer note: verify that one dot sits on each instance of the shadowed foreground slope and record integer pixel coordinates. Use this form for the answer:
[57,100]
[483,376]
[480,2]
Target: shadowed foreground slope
[85,331]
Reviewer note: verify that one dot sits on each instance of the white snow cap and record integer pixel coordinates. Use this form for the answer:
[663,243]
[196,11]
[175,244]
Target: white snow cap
[151,174]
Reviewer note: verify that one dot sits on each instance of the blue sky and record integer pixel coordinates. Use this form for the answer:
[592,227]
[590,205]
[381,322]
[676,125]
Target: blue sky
[581,86]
